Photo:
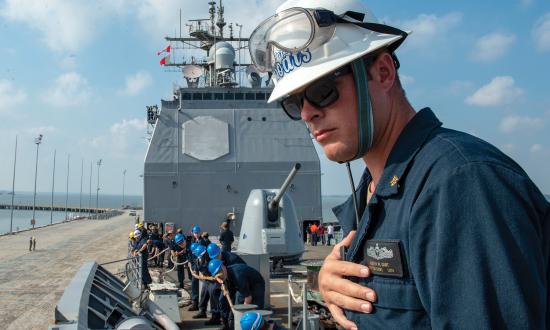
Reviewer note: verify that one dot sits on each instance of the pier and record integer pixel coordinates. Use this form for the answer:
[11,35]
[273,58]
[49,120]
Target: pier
[55,208]
[32,282]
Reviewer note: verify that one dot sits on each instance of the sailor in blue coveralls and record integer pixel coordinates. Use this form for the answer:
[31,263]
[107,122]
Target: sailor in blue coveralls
[445,230]
[196,238]
[240,280]
[179,250]
[143,251]
[210,288]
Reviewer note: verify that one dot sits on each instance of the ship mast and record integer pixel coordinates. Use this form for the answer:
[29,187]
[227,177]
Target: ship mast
[206,35]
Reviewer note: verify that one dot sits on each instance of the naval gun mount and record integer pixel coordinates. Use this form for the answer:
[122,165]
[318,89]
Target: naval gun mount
[270,224]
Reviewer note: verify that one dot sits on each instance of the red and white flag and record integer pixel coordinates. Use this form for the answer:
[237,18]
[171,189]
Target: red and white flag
[165,50]
[165,60]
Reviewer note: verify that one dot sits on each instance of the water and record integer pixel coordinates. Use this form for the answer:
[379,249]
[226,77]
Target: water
[22,218]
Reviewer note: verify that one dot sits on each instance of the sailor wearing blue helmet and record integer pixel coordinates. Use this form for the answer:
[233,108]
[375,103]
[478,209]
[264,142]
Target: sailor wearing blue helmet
[196,238]
[239,279]
[179,251]
[211,290]
[199,251]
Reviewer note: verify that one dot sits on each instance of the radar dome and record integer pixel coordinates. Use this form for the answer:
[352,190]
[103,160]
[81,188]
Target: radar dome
[225,55]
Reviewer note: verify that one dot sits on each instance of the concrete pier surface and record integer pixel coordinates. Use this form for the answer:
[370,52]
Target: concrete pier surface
[31,283]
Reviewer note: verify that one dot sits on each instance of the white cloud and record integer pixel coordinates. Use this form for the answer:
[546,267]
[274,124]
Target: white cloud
[500,91]
[426,28]
[69,89]
[64,25]
[535,148]
[122,137]
[128,125]
[526,3]
[136,83]
[492,46]
[68,63]
[10,96]
[541,33]
[159,18]
[513,124]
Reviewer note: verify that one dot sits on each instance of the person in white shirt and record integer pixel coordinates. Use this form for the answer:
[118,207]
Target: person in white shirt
[330,233]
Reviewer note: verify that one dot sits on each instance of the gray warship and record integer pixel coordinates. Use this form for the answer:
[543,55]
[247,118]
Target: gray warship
[218,139]
[216,148]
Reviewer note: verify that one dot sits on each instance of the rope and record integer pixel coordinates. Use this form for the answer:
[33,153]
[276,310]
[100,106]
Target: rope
[175,264]
[297,298]
[120,260]
[226,295]
[158,254]
[201,277]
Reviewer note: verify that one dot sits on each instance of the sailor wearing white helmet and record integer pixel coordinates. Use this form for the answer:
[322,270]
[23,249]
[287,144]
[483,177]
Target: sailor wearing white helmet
[142,251]
[444,230]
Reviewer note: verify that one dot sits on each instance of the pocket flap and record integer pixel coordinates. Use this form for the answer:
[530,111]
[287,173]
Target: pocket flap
[395,293]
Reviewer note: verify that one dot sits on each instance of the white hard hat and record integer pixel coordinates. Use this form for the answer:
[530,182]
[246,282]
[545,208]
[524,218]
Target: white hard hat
[137,233]
[345,42]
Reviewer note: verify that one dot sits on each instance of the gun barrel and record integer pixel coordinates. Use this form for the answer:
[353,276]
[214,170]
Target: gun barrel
[275,201]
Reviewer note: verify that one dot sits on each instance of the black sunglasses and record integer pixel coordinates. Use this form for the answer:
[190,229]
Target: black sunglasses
[320,94]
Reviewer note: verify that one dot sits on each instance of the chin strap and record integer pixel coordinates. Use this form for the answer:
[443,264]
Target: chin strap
[365,123]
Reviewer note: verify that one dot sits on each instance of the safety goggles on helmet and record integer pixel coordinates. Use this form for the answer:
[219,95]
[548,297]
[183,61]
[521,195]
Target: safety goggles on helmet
[321,93]
[296,29]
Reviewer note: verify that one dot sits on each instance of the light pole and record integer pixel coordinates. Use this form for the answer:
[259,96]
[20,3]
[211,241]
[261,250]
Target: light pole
[90,193]
[97,191]
[123,184]
[37,140]
[13,186]
[67,190]
[81,181]
[53,186]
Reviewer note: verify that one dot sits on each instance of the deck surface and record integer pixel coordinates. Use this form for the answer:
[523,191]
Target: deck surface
[31,283]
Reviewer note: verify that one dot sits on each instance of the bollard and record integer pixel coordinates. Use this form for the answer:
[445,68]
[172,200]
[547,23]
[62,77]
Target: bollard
[304,308]
[289,302]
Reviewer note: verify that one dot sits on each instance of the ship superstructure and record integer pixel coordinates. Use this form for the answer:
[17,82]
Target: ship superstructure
[217,139]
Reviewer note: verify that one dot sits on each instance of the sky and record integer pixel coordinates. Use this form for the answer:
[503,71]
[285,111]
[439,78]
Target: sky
[82,72]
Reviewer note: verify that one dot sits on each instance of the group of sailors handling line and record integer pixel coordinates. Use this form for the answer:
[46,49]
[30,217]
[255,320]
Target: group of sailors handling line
[226,278]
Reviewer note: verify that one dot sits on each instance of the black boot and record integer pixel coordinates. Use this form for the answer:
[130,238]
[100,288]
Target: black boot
[225,325]
[194,307]
[200,315]
[214,320]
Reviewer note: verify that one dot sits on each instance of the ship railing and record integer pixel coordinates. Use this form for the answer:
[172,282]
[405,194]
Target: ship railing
[133,268]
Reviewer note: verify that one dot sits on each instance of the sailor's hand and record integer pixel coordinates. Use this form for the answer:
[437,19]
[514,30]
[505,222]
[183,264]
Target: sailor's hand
[340,293]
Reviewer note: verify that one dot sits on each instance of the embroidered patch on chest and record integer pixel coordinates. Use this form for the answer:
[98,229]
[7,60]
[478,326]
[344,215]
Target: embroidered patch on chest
[384,257]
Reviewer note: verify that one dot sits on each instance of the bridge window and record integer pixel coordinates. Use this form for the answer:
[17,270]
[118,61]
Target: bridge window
[239,96]
[218,96]
[186,96]
[250,96]
[260,96]
[197,96]
[228,96]
[207,96]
